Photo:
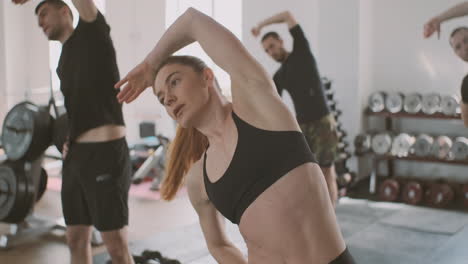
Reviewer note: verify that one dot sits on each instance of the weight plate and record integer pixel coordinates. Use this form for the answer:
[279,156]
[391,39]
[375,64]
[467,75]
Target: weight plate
[423,145]
[389,190]
[439,195]
[459,149]
[431,103]
[441,147]
[413,103]
[412,193]
[450,105]
[26,131]
[8,188]
[402,144]
[381,143]
[394,102]
[377,101]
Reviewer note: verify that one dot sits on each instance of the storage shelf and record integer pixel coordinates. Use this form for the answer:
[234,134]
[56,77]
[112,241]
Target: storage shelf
[422,159]
[408,115]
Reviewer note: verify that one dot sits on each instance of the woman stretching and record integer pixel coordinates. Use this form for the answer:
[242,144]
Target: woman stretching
[246,160]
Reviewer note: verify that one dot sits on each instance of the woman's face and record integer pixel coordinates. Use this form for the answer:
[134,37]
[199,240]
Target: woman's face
[182,91]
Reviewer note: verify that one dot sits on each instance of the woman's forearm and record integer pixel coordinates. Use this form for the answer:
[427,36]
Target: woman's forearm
[177,36]
[219,43]
[228,254]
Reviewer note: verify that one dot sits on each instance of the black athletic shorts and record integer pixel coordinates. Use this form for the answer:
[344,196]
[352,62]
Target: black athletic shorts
[95,183]
[344,258]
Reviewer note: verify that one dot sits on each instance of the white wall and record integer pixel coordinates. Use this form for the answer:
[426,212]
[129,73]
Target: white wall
[3,94]
[26,51]
[136,26]
[338,57]
[306,12]
[397,58]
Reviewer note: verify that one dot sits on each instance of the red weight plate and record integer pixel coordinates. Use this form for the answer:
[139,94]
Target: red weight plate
[389,190]
[412,193]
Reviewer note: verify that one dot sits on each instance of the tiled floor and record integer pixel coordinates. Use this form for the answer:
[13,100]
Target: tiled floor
[375,233]
[147,217]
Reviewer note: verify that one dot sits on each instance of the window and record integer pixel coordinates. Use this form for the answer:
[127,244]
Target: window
[228,13]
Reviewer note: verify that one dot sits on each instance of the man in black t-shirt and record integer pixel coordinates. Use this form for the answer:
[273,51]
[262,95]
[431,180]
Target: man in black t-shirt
[459,43]
[299,75]
[96,168]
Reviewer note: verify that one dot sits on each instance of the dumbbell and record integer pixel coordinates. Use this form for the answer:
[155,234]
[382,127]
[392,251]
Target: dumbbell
[439,195]
[152,261]
[342,145]
[326,84]
[412,193]
[345,179]
[362,144]
[337,113]
[389,190]
[339,126]
[341,134]
[343,155]
[332,105]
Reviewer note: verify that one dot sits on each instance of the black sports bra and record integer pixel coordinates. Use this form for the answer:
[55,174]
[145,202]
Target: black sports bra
[260,159]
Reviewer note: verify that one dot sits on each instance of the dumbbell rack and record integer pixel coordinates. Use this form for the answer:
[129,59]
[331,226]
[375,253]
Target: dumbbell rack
[344,175]
[390,160]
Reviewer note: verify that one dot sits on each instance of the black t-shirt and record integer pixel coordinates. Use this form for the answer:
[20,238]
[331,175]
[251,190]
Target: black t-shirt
[464,90]
[300,77]
[88,71]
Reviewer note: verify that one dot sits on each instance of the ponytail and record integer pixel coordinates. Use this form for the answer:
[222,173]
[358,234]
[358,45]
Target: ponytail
[186,148]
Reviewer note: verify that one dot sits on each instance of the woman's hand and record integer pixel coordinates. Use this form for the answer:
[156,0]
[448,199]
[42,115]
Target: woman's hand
[136,81]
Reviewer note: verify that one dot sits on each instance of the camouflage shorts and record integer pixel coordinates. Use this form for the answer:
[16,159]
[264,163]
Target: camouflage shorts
[323,140]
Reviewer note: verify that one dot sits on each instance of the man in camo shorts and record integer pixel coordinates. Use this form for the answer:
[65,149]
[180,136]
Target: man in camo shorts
[299,75]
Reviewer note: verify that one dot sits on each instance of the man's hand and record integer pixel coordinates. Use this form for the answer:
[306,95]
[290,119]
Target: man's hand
[256,31]
[19,2]
[333,191]
[136,81]
[65,150]
[432,26]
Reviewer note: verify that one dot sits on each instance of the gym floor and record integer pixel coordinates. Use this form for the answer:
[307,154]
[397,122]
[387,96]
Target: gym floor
[376,232]
[147,217]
